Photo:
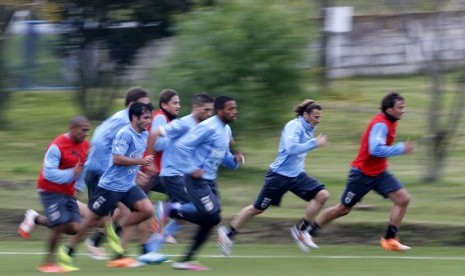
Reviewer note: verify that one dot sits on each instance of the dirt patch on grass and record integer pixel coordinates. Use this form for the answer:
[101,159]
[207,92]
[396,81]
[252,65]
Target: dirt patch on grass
[276,230]
[14,185]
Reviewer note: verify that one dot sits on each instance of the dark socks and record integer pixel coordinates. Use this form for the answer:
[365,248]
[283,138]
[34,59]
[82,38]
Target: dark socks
[70,251]
[304,224]
[97,238]
[391,232]
[310,227]
[313,228]
[199,239]
[232,231]
[118,229]
[143,249]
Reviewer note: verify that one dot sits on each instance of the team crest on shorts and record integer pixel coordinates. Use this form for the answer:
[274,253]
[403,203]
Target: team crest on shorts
[207,203]
[97,203]
[265,203]
[349,197]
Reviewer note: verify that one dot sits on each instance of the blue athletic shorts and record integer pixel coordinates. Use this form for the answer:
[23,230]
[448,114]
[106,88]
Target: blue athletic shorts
[276,185]
[105,201]
[175,188]
[156,185]
[91,179]
[358,185]
[60,208]
[203,194]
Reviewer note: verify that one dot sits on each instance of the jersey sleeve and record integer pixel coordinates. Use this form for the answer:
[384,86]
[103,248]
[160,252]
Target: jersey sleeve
[377,142]
[51,170]
[187,144]
[291,139]
[121,143]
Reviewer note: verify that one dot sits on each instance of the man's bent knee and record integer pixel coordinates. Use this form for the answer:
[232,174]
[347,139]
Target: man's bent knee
[254,211]
[71,228]
[401,197]
[146,208]
[213,219]
[404,201]
[322,196]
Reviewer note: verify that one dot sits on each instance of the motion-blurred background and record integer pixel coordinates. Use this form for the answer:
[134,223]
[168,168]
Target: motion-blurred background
[59,58]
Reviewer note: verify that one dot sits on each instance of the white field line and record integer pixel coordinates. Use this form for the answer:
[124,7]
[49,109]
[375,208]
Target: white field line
[283,256]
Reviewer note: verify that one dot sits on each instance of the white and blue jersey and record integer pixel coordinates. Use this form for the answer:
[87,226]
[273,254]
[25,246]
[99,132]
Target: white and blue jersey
[99,158]
[158,122]
[130,144]
[296,140]
[377,142]
[173,131]
[51,170]
[206,147]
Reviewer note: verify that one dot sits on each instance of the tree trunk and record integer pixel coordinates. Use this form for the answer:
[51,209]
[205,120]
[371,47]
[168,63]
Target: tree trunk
[5,16]
[98,87]
[322,78]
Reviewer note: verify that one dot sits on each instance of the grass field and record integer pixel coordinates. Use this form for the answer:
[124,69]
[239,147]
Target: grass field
[21,258]
[434,217]
[35,118]
[433,225]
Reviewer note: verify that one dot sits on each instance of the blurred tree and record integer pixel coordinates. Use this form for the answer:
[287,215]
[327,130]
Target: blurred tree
[442,120]
[255,51]
[321,72]
[6,12]
[102,39]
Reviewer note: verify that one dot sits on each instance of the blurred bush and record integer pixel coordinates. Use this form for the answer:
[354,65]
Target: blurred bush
[254,51]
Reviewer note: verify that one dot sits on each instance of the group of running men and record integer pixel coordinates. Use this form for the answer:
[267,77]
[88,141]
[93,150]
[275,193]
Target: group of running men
[138,150]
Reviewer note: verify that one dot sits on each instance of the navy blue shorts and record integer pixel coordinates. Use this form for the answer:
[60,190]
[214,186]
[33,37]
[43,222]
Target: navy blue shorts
[105,201]
[358,185]
[203,194]
[91,179]
[156,185]
[276,185]
[175,188]
[60,208]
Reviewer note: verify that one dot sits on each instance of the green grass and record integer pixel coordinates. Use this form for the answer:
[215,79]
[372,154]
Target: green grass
[36,118]
[21,258]
[433,218]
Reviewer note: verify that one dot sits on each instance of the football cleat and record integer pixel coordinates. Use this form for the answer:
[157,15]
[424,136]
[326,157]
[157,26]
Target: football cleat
[194,266]
[224,242]
[393,244]
[28,224]
[303,239]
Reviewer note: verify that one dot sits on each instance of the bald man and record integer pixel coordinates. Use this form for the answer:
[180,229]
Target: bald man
[61,167]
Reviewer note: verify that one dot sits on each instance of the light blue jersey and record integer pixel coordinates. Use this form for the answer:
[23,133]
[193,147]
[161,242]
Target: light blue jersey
[173,131]
[130,144]
[377,143]
[157,122]
[99,158]
[206,147]
[296,140]
[51,169]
